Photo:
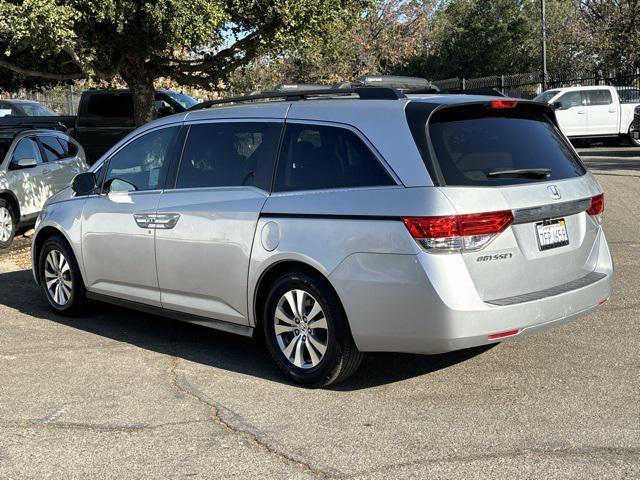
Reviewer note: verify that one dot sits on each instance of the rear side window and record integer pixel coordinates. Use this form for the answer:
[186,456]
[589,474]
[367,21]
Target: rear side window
[316,157]
[230,154]
[53,150]
[113,105]
[476,146]
[599,97]
[70,148]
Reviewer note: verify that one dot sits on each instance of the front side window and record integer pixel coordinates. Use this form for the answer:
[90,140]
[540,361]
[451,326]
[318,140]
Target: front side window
[53,150]
[229,155]
[142,164]
[27,149]
[570,99]
[316,157]
[599,97]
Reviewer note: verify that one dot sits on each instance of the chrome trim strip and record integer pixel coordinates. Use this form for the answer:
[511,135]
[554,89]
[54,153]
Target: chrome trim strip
[585,281]
[552,210]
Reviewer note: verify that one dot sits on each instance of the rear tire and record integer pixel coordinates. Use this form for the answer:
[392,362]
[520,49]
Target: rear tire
[60,277]
[7,224]
[313,344]
[633,141]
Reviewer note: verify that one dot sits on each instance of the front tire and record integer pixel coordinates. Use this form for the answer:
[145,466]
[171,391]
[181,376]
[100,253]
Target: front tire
[60,277]
[306,331]
[7,224]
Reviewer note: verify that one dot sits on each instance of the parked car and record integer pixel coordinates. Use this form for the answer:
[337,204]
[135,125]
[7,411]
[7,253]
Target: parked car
[591,112]
[24,108]
[353,221]
[635,128]
[35,164]
[106,116]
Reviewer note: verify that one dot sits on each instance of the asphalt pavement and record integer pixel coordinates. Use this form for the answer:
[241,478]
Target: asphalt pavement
[124,395]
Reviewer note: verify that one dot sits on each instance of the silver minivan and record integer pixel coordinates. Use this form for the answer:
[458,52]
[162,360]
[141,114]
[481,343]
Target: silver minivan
[336,223]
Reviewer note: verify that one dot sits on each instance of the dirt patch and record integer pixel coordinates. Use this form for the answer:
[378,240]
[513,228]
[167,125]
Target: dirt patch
[18,256]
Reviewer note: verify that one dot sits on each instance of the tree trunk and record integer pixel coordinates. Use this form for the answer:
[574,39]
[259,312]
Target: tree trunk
[140,83]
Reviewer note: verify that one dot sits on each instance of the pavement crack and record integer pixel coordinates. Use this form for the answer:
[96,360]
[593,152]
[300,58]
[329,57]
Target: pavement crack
[588,451]
[250,437]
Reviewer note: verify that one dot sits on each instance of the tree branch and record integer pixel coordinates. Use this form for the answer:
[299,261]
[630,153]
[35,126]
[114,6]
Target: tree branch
[34,73]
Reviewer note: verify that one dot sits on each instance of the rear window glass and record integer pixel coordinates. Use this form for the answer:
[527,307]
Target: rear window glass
[113,105]
[476,146]
[599,97]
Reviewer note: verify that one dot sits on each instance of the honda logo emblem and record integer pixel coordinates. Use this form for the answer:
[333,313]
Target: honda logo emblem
[555,193]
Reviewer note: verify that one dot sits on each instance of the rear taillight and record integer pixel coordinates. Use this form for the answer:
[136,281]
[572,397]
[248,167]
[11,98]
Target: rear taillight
[455,233]
[597,205]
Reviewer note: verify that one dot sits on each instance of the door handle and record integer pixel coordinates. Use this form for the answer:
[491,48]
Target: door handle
[612,111]
[157,221]
[581,112]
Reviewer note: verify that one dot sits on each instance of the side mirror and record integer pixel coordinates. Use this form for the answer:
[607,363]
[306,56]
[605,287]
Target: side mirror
[26,163]
[558,105]
[84,183]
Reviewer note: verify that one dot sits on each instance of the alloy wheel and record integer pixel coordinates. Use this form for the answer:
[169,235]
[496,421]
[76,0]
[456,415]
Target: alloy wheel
[301,329]
[6,224]
[57,276]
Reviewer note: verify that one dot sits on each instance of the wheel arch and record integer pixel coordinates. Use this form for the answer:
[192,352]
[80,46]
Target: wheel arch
[10,197]
[277,269]
[41,236]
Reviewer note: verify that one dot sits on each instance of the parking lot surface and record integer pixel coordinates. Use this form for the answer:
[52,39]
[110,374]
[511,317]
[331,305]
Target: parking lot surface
[120,394]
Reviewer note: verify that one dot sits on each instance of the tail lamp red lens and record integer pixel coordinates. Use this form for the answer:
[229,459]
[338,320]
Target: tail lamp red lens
[458,232]
[502,104]
[597,205]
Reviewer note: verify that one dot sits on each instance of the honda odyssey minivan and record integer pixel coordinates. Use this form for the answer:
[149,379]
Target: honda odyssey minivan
[333,223]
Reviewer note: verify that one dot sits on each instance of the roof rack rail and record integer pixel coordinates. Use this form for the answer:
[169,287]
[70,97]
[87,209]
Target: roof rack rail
[298,87]
[363,93]
[404,84]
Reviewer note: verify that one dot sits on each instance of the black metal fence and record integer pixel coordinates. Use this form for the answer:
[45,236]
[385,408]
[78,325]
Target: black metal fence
[528,85]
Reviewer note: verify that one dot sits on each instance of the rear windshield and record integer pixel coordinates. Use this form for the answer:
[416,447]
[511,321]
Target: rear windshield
[477,146]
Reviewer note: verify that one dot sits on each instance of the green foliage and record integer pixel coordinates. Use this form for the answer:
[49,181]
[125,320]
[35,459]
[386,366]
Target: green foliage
[383,38]
[476,38]
[198,42]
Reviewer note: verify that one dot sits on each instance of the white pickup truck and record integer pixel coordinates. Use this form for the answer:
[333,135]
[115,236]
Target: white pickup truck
[592,112]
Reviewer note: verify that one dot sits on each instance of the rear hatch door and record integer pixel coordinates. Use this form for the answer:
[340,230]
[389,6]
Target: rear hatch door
[504,155]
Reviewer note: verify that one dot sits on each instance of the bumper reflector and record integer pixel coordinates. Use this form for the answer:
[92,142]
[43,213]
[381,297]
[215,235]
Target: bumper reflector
[508,333]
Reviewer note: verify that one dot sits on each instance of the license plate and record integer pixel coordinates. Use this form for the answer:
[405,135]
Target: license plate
[552,234]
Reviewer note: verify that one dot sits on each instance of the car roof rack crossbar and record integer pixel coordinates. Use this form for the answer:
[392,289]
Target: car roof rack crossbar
[363,93]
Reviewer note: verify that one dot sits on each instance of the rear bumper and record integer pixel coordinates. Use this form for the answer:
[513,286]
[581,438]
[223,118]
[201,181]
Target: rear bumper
[394,306]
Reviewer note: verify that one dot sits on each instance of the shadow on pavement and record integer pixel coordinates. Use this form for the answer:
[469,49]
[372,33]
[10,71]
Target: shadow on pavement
[206,346]
[606,159]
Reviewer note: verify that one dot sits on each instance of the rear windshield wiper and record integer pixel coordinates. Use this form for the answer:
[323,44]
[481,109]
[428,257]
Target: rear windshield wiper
[537,173]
